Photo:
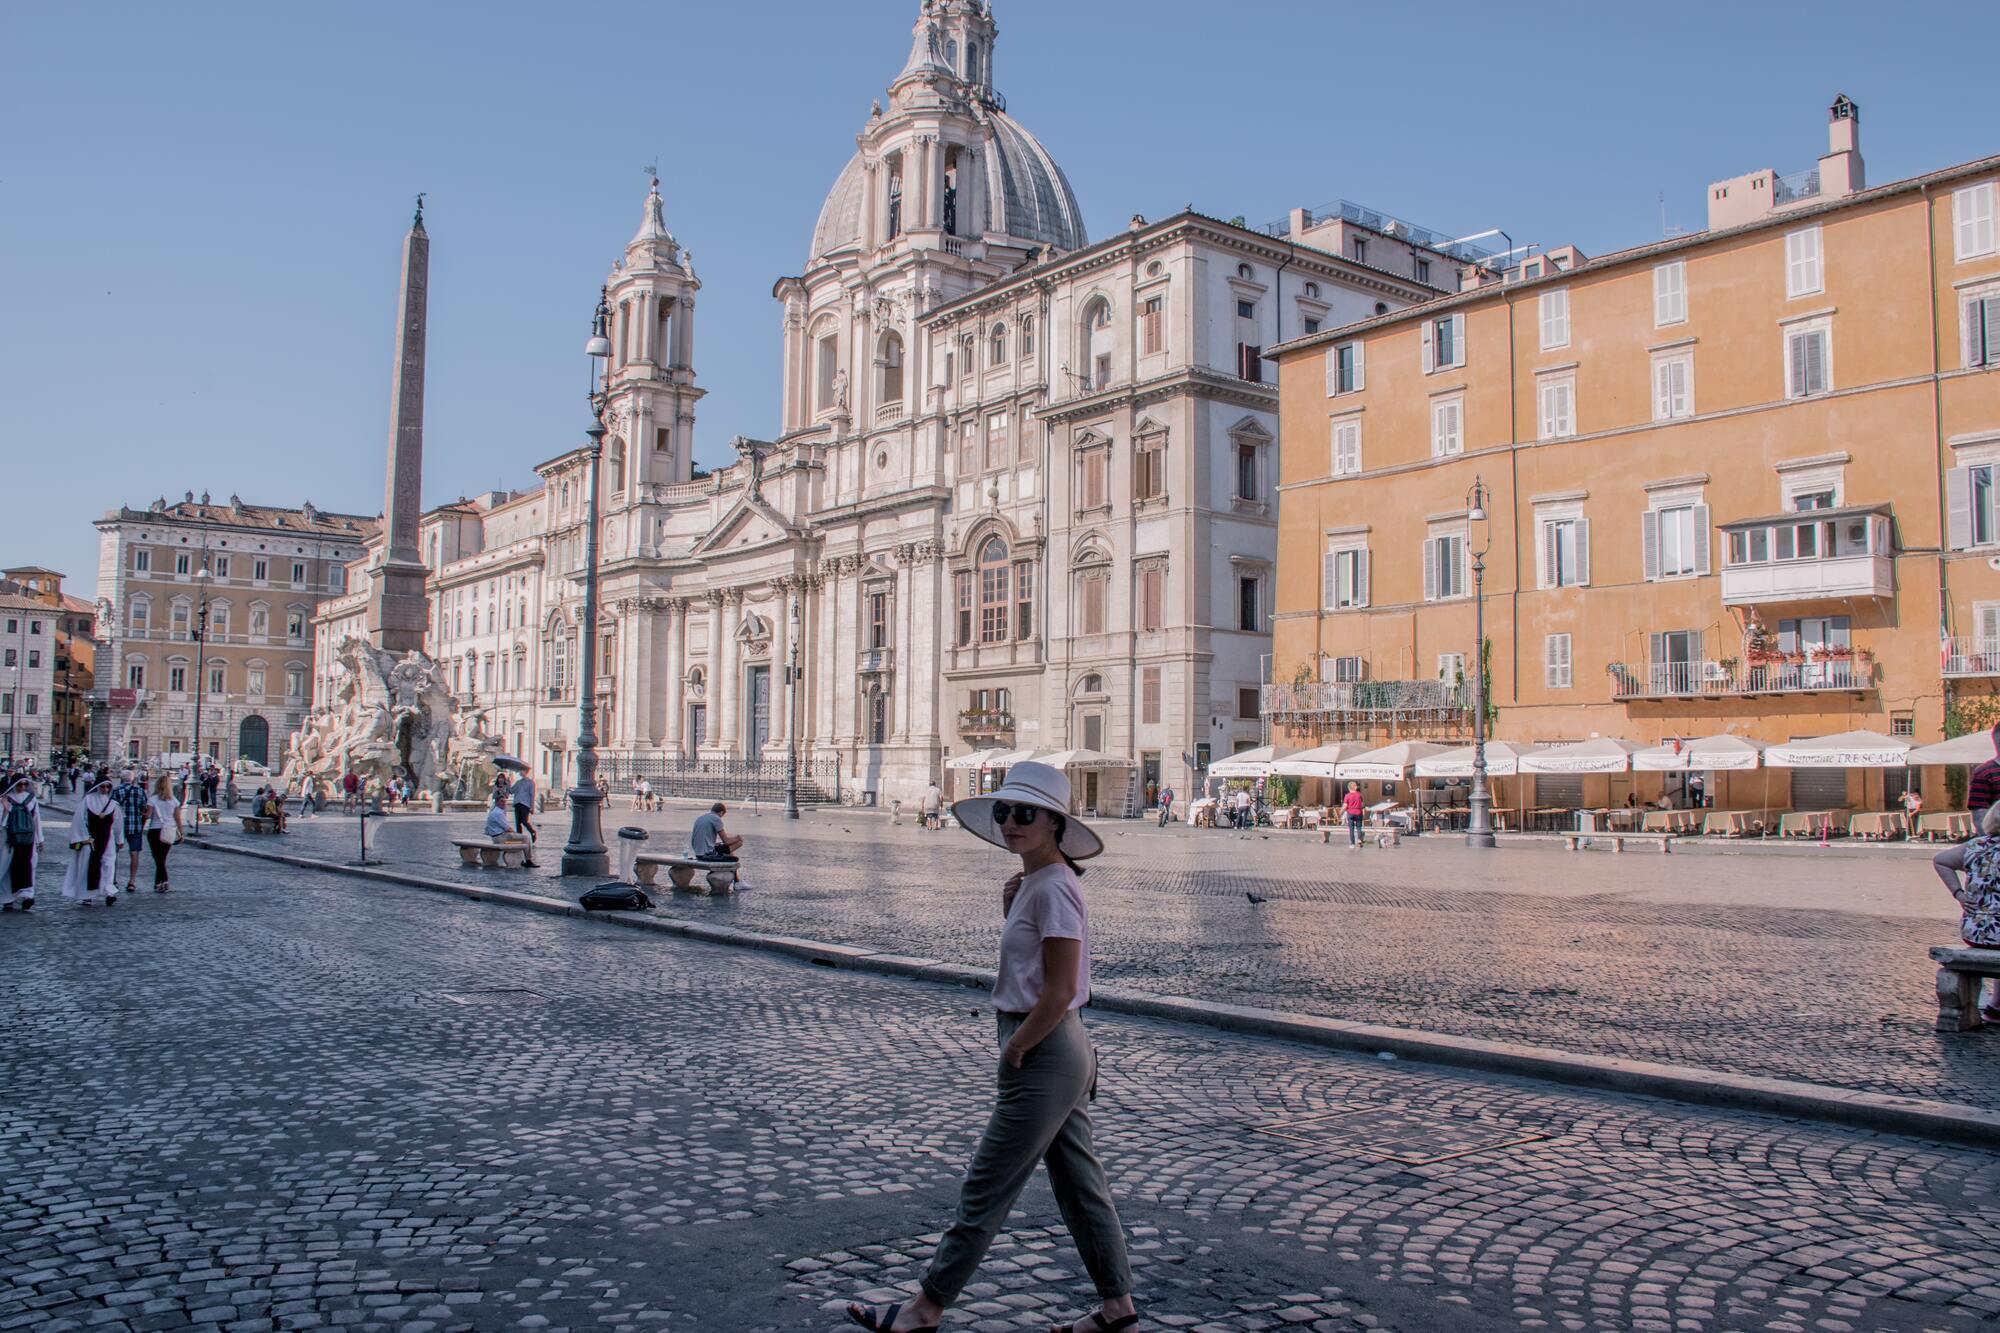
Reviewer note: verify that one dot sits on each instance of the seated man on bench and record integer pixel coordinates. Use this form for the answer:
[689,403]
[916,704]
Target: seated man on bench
[269,805]
[711,842]
[499,820]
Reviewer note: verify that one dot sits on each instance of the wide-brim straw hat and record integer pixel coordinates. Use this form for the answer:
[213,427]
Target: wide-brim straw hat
[1033,784]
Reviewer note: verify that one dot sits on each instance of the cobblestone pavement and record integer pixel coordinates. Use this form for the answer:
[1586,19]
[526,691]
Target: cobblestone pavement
[1717,960]
[282,1099]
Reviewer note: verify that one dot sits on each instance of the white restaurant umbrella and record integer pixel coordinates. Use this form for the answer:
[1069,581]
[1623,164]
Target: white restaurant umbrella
[1605,754]
[1316,763]
[1250,763]
[1847,749]
[1975,748]
[1503,760]
[1705,754]
[1390,763]
[1008,758]
[1085,759]
[977,759]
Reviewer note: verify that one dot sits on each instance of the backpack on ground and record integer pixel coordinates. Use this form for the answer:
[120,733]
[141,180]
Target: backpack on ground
[615,898]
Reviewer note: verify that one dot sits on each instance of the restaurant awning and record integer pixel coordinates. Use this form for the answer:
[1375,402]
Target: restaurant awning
[1008,758]
[1317,763]
[1703,754]
[1605,754]
[1846,749]
[1976,748]
[1250,763]
[977,759]
[1390,763]
[1503,760]
[1085,759]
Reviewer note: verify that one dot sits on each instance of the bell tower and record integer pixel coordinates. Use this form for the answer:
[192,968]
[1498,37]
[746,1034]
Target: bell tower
[652,380]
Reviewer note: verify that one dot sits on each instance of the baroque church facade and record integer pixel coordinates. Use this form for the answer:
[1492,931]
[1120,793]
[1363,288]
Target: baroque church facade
[1023,497]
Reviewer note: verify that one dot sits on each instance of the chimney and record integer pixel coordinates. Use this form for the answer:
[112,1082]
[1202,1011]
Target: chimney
[1841,171]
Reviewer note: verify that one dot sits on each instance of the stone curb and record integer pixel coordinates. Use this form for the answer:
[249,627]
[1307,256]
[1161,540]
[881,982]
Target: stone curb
[1914,1117]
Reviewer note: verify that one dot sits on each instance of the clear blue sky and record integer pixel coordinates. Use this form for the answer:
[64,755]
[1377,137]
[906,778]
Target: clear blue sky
[201,204]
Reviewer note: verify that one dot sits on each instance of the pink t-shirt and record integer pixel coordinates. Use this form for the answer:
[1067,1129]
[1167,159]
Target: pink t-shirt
[1351,803]
[1048,906]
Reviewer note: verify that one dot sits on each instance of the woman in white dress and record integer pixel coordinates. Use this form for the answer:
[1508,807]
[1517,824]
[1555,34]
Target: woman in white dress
[96,844]
[20,844]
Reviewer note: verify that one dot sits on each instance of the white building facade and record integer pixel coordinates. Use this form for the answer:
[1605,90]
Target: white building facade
[1023,494]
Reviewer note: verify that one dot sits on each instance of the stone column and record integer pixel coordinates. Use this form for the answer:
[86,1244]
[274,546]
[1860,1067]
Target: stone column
[676,703]
[712,700]
[781,661]
[728,696]
[636,690]
[827,724]
[684,332]
[903,698]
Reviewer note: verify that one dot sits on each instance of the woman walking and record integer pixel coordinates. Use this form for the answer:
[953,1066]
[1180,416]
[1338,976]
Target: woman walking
[96,838]
[1048,1070]
[20,844]
[163,829]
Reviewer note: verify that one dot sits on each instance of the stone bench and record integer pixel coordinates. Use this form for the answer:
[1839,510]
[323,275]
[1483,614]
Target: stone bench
[259,824]
[1960,971]
[681,870]
[1574,841]
[492,855]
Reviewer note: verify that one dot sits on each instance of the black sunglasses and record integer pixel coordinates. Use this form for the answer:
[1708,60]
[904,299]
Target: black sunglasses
[1023,815]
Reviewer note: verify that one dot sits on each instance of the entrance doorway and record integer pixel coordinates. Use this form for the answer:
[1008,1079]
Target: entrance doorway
[760,711]
[253,740]
[697,726]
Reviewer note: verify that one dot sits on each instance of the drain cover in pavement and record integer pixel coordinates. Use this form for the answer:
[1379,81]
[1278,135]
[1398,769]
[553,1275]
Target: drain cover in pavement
[1398,1134]
[500,996]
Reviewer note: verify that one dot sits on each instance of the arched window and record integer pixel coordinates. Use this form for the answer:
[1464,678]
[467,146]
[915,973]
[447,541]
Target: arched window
[951,54]
[994,586]
[1028,336]
[892,369]
[1092,684]
[895,228]
[1246,272]
[997,348]
[972,62]
[1097,343]
[617,460]
[826,344]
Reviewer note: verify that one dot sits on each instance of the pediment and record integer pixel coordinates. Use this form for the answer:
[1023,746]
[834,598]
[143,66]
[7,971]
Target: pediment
[749,523]
[1249,428]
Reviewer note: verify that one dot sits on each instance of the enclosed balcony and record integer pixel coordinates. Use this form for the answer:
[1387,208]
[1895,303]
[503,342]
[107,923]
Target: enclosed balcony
[987,725]
[1809,555]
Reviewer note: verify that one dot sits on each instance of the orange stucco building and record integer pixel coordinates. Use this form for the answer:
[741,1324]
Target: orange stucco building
[1742,481]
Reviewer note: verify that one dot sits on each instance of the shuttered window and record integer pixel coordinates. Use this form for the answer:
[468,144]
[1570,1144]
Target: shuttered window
[1447,426]
[1673,387]
[1558,400]
[1344,579]
[1555,320]
[1674,541]
[1446,573]
[1346,448]
[1670,301]
[1443,343]
[1970,518]
[1149,694]
[1346,368]
[1152,596]
[1564,557]
[1805,270]
[1980,328]
[1557,673]
[1808,368]
[1975,231]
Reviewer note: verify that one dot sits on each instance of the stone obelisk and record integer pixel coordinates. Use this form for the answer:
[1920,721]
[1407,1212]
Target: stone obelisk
[396,610]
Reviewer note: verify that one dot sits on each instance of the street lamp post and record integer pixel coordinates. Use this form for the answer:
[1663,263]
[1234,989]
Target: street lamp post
[585,853]
[1479,821]
[792,720]
[200,666]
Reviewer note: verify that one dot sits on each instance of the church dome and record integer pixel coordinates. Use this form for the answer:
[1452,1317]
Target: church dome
[1038,206]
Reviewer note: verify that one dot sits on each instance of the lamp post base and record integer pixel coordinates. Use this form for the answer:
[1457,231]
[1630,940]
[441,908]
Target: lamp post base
[585,852]
[1479,820]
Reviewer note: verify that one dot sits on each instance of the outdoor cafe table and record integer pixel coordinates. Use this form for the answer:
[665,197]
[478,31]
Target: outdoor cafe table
[1806,823]
[1549,818]
[1953,824]
[1670,821]
[1734,823]
[1878,824]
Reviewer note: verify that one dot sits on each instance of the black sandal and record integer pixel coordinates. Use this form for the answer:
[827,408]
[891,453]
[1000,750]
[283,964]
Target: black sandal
[1103,1326]
[864,1315]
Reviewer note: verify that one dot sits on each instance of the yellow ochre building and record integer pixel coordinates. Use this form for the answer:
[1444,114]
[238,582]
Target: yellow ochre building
[1742,482]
